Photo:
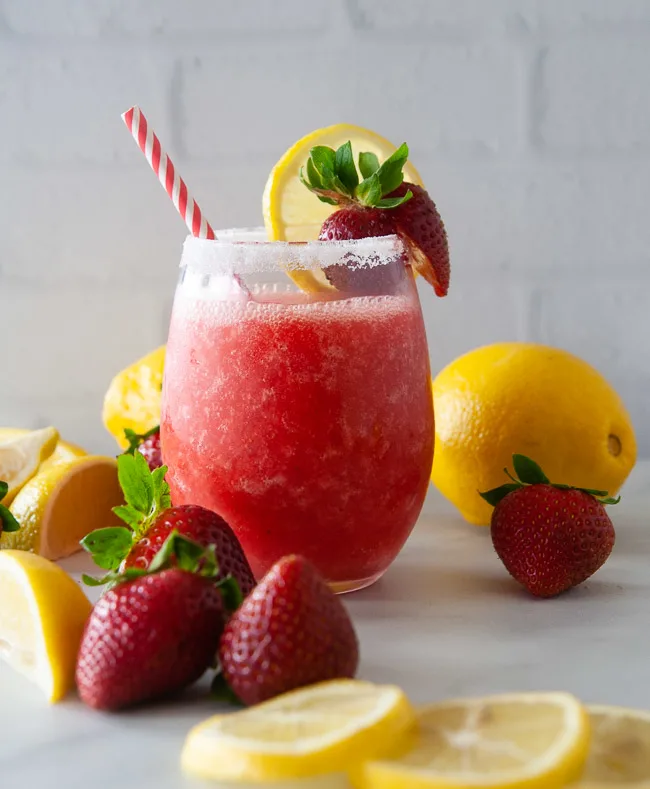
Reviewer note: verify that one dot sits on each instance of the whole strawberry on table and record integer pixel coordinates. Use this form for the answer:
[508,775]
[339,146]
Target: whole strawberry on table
[550,536]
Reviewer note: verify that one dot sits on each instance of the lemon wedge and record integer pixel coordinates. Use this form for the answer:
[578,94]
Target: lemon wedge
[21,457]
[326,728]
[292,212]
[514,741]
[42,618]
[64,450]
[63,503]
[134,396]
[620,749]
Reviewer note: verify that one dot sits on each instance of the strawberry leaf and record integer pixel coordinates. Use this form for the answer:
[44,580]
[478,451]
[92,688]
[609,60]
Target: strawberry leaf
[369,192]
[231,593]
[324,161]
[135,479]
[528,471]
[161,491]
[368,164]
[4,489]
[390,173]
[128,514]
[108,547]
[393,202]
[345,168]
[7,521]
[220,690]
[495,495]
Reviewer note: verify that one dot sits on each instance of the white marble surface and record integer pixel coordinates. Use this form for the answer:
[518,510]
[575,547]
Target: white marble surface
[445,620]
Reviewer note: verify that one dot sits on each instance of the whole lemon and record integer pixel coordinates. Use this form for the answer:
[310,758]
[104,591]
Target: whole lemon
[539,401]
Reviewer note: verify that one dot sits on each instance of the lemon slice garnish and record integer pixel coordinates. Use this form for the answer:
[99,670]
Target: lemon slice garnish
[63,503]
[620,749]
[326,728]
[515,741]
[21,457]
[42,617]
[292,212]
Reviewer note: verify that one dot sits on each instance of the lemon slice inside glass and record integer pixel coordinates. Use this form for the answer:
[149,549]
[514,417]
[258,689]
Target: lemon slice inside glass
[536,741]
[620,749]
[326,728]
[42,618]
[292,212]
[21,457]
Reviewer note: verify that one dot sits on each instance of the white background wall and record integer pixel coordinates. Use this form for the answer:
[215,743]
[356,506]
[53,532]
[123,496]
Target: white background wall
[528,119]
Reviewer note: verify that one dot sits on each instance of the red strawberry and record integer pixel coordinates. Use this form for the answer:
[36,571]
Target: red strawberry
[419,222]
[550,537]
[204,527]
[150,519]
[151,636]
[382,204]
[147,444]
[290,631]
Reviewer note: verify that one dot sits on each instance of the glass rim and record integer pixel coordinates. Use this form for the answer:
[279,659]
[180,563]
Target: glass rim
[223,256]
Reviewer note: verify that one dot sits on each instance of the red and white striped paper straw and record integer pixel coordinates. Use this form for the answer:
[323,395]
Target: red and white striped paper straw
[167,174]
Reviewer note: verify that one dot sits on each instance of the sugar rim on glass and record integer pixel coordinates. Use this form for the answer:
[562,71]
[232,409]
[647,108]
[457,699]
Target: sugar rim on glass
[222,256]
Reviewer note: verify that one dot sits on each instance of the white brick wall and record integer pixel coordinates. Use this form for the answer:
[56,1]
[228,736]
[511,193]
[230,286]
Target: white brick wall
[529,120]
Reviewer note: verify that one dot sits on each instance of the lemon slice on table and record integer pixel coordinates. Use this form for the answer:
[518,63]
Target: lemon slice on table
[62,504]
[620,749]
[64,450]
[21,457]
[514,741]
[326,728]
[292,212]
[42,618]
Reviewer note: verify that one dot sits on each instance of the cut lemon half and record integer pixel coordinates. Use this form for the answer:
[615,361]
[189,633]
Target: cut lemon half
[42,618]
[21,457]
[620,749]
[515,741]
[292,212]
[134,396]
[62,504]
[326,728]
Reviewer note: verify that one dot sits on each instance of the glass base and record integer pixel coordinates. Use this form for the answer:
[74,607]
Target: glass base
[343,587]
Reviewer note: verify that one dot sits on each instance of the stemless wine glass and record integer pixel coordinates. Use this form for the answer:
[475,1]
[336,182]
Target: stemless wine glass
[301,413]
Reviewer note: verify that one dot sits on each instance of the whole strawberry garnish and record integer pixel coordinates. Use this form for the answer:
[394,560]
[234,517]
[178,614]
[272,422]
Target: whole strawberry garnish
[7,521]
[154,632]
[150,519]
[292,630]
[549,536]
[381,204]
[147,444]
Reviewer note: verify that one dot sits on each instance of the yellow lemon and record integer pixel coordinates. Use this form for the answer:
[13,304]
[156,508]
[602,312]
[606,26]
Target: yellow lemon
[515,741]
[64,450]
[292,212]
[42,618]
[530,399]
[21,457]
[63,503]
[620,749]
[133,397]
[324,728]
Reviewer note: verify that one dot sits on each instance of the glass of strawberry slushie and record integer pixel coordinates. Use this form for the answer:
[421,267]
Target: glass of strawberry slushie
[297,399]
